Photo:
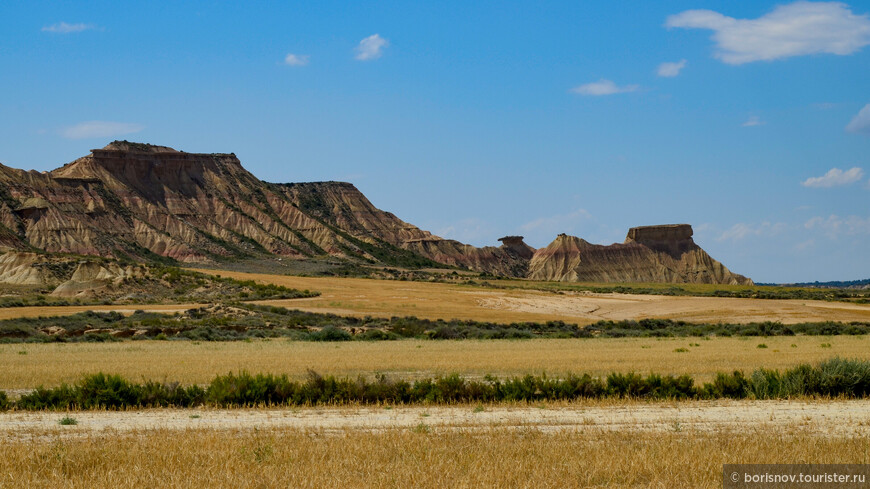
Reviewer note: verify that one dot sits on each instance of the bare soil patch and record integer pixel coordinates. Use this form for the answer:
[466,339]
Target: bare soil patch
[842,418]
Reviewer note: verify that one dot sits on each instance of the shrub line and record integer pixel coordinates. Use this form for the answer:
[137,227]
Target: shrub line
[835,377]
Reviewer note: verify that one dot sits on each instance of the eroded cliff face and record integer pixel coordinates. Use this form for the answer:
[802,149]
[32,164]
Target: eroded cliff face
[650,254]
[146,202]
[68,276]
[342,206]
[142,200]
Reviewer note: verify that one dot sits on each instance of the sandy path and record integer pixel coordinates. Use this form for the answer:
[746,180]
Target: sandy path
[694,309]
[823,417]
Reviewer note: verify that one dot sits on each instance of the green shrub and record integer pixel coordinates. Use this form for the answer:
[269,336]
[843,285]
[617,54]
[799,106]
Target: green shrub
[832,378]
[733,386]
[330,333]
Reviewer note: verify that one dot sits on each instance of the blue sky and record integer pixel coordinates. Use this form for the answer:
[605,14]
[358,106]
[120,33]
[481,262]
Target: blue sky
[749,120]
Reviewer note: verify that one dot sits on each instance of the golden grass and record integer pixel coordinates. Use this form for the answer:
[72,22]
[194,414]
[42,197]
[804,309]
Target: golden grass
[359,297]
[694,288]
[399,458]
[29,365]
[385,298]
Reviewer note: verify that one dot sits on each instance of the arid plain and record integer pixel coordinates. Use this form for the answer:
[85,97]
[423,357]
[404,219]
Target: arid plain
[589,439]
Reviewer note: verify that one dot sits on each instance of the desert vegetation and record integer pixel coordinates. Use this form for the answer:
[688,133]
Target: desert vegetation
[25,366]
[845,294]
[833,378]
[159,285]
[239,321]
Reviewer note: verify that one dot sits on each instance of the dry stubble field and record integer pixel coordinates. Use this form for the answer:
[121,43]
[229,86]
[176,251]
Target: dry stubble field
[419,457]
[27,366]
[361,297]
[668,450]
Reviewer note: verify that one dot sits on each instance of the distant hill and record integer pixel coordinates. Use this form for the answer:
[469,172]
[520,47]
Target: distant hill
[837,284]
[143,202]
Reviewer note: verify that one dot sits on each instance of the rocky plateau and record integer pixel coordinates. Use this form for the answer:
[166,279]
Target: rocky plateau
[136,202]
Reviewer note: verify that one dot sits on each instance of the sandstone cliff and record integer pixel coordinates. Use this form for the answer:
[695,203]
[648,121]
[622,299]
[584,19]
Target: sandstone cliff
[151,203]
[650,254]
[68,276]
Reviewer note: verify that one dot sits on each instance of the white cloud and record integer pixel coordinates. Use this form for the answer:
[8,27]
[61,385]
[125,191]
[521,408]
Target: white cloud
[469,230]
[796,29]
[99,129]
[861,123]
[296,59]
[371,48]
[753,120]
[64,28]
[603,87]
[670,70]
[834,226]
[741,231]
[834,178]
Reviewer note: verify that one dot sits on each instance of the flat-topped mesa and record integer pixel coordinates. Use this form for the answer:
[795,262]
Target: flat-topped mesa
[516,246]
[663,232]
[664,253]
[126,153]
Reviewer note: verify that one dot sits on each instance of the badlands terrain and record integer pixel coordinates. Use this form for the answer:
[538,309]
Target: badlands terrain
[256,333]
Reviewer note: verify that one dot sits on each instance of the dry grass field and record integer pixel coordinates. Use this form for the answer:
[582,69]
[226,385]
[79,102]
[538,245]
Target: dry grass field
[385,298]
[609,443]
[447,301]
[29,365]
[416,457]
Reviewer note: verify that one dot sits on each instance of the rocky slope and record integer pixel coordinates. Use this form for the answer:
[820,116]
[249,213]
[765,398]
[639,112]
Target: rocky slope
[145,202]
[650,254]
[67,276]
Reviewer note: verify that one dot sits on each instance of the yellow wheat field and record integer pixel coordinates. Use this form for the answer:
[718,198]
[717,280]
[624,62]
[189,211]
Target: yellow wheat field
[418,457]
[29,365]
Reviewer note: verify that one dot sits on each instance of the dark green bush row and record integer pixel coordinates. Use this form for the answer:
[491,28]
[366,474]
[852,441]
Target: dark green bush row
[276,322]
[832,378]
[669,327]
[767,292]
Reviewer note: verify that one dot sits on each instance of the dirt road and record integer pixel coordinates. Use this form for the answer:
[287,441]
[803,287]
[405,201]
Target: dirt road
[822,417]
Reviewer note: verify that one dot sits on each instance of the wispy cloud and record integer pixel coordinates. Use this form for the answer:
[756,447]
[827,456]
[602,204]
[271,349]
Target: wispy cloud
[835,178]
[100,129]
[371,48]
[741,230]
[753,120]
[796,29]
[671,69]
[835,226]
[603,87]
[296,59]
[64,28]
[469,230]
[861,122]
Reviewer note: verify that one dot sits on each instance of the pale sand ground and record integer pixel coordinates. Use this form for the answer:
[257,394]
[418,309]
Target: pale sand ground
[851,418]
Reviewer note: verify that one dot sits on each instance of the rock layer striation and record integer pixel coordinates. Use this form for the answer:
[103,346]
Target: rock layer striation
[664,253]
[147,202]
